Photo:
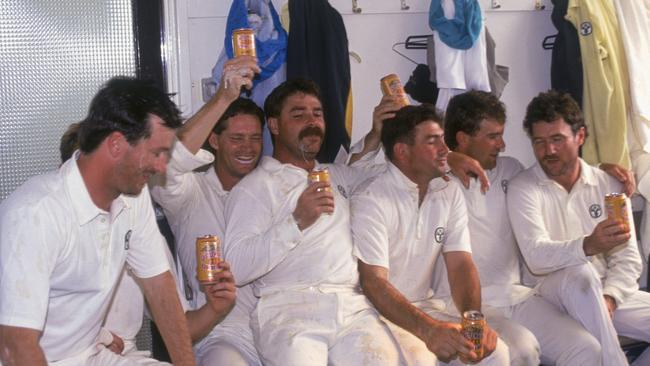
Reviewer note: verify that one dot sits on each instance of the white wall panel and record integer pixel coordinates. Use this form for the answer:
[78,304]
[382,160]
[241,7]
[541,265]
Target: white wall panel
[516,26]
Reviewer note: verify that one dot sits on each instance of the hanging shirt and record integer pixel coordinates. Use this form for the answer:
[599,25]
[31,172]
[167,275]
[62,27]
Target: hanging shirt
[605,81]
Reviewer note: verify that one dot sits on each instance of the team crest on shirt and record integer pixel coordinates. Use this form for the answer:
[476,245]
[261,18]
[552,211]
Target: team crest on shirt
[504,186]
[127,239]
[595,211]
[586,28]
[342,191]
[439,234]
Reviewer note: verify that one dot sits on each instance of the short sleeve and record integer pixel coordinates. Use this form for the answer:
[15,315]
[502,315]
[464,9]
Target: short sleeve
[147,253]
[29,245]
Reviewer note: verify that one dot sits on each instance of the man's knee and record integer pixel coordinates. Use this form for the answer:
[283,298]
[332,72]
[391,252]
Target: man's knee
[580,279]
[500,356]
[222,353]
[524,349]
[583,351]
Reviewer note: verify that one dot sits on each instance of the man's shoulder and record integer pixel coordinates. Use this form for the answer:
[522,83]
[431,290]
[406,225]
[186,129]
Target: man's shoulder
[45,190]
[525,178]
[375,186]
[508,165]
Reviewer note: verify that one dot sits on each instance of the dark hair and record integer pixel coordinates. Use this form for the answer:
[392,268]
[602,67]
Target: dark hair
[237,107]
[275,100]
[466,111]
[124,105]
[401,128]
[551,106]
[69,142]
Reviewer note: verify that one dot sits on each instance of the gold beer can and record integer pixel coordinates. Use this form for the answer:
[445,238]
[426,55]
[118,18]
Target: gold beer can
[320,175]
[391,85]
[208,256]
[243,42]
[473,324]
[616,207]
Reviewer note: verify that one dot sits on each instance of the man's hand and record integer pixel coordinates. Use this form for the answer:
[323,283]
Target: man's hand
[237,72]
[221,296]
[446,341]
[489,344]
[608,234]
[610,303]
[465,168]
[313,202]
[386,109]
[117,345]
[622,175]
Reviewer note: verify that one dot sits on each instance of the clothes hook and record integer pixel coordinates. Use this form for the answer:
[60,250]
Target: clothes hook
[539,5]
[495,4]
[404,6]
[355,7]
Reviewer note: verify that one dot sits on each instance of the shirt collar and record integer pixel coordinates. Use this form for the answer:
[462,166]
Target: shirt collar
[275,167]
[83,205]
[586,177]
[400,180]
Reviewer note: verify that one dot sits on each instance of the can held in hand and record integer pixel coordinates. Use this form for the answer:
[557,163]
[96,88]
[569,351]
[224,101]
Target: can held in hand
[616,206]
[243,42]
[208,257]
[320,175]
[391,85]
[473,325]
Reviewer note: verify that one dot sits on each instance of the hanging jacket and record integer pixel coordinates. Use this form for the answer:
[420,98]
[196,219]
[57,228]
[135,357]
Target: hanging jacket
[318,50]
[566,64]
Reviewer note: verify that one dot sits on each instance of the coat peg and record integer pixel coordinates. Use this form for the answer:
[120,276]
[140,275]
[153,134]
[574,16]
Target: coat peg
[495,4]
[355,7]
[404,6]
[539,5]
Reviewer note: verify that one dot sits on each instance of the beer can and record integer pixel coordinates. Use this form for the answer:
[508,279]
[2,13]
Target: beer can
[320,175]
[391,85]
[243,42]
[473,324]
[616,206]
[208,256]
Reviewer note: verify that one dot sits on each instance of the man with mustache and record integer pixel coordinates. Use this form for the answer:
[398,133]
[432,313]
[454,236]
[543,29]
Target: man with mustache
[291,240]
[558,215]
[406,222]
[66,236]
[532,326]
[193,202]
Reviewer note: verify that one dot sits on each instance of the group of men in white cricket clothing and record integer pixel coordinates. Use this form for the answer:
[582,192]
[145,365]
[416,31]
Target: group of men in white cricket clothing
[374,267]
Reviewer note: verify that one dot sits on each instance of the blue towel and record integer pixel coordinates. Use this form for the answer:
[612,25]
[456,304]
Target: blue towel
[461,31]
[270,37]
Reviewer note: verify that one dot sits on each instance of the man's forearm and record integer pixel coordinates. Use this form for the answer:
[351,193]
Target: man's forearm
[162,298]
[465,285]
[201,322]
[371,142]
[395,307]
[196,130]
[19,346]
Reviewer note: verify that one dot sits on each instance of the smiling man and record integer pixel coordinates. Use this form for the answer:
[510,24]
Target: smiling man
[65,236]
[194,201]
[559,218]
[291,240]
